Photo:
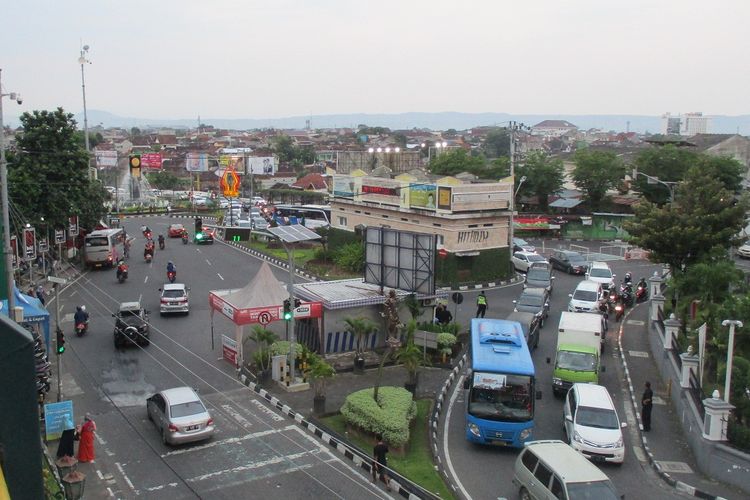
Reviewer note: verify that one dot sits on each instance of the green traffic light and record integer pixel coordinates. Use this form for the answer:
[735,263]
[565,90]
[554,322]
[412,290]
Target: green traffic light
[287,315]
[60,349]
[198,236]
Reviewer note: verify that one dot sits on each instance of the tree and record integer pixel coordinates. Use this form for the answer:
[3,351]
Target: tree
[165,180]
[668,163]
[544,176]
[360,328]
[595,173]
[135,132]
[48,175]
[496,143]
[456,161]
[284,148]
[702,222]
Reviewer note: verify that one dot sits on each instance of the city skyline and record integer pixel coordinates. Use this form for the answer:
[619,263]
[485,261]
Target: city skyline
[253,60]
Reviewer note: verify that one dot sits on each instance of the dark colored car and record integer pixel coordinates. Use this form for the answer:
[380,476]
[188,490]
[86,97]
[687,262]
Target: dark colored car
[569,261]
[535,301]
[131,325]
[539,276]
[530,325]
[204,237]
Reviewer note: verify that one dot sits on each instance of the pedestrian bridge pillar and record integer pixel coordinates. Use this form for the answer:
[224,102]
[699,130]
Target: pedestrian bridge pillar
[717,416]
[689,363]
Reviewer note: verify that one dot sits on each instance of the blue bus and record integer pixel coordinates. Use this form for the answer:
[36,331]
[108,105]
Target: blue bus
[501,384]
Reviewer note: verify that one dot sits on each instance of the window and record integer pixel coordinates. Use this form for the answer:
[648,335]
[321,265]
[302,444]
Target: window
[557,488]
[543,474]
[437,224]
[529,460]
[440,239]
[342,221]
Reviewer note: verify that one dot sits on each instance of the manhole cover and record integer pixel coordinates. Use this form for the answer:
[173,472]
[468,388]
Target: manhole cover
[635,322]
[638,354]
[675,467]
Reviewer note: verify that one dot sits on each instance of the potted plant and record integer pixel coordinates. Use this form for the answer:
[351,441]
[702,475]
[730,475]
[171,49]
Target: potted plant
[446,341]
[412,357]
[318,372]
[360,328]
[263,338]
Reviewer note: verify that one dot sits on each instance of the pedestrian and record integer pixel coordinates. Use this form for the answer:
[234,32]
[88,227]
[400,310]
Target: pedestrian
[380,463]
[86,440]
[66,448]
[40,294]
[31,292]
[481,304]
[646,404]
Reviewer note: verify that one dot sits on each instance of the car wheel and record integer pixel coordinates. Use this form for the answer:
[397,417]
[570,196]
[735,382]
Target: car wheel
[145,343]
[161,313]
[524,494]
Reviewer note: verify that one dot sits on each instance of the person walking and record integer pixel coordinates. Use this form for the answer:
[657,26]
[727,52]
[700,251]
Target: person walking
[40,294]
[380,463]
[86,440]
[66,447]
[646,404]
[481,304]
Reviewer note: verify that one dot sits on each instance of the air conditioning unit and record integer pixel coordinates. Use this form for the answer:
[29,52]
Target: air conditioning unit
[429,302]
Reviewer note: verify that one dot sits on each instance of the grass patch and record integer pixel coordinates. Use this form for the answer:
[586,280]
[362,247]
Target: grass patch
[304,258]
[415,465]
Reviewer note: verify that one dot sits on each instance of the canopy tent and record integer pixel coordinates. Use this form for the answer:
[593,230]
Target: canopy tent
[260,301]
[33,312]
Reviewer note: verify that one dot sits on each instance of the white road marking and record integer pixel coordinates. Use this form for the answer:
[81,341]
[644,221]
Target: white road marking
[198,250]
[127,479]
[257,465]
[140,297]
[73,292]
[99,473]
[111,493]
[446,426]
[220,276]
[209,262]
[161,486]
[227,441]
[265,409]
[236,416]
[145,280]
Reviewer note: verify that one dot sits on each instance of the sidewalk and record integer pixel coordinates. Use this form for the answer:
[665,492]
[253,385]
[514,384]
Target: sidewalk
[666,441]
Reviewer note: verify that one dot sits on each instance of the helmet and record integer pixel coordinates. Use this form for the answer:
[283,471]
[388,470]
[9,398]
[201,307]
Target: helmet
[170,262]
[83,308]
[78,308]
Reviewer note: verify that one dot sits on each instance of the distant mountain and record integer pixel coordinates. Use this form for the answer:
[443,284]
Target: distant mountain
[720,124]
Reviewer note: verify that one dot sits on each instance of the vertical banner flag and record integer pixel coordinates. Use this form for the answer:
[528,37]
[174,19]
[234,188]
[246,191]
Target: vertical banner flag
[29,243]
[59,236]
[73,226]
[14,250]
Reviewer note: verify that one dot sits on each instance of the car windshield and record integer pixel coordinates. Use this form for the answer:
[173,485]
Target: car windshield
[530,300]
[520,242]
[536,258]
[576,259]
[512,402]
[590,490]
[187,409]
[576,361]
[173,294]
[538,273]
[585,295]
[601,272]
[600,418]
[97,241]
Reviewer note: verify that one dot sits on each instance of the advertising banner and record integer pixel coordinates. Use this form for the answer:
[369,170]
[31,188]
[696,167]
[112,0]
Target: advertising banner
[105,158]
[29,243]
[196,162]
[232,162]
[43,245]
[151,160]
[59,236]
[422,195]
[444,197]
[261,165]
[346,186]
[378,190]
[229,349]
[58,417]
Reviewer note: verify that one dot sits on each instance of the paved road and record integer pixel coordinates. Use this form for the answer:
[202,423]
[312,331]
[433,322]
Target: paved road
[485,472]
[256,452]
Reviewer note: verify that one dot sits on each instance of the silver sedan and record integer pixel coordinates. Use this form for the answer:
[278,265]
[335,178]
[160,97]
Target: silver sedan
[180,416]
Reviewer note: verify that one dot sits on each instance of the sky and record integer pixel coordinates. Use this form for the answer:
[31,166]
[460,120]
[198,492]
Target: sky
[178,59]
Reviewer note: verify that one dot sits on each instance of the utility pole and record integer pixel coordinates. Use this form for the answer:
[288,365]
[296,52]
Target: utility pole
[58,281]
[512,203]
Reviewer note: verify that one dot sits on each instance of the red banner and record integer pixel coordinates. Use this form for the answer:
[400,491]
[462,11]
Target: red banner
[262,315]
[151,160]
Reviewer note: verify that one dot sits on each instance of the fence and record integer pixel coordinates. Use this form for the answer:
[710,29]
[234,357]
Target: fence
[696,394]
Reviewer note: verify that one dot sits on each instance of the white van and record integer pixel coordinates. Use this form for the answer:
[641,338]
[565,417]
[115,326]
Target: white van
[100,247]
[586,297]
[551,469]
[592,425]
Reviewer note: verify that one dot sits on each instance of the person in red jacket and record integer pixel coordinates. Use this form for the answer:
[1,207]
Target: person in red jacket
[86,440]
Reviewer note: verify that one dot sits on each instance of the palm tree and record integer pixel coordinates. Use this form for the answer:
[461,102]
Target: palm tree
[360,328]
[319,371]
[263,338]
[411,356]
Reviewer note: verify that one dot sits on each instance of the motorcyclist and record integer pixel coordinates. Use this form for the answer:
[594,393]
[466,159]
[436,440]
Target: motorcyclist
[126,248]
[171,268]
[642,283]
[121,266]
[184,234]
[628,278]
[149,249]
[80,316]
[161,241]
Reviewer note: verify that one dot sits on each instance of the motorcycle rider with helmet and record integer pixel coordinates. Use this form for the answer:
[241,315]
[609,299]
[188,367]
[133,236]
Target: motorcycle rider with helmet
[81,317]
[161,242]
[171,270]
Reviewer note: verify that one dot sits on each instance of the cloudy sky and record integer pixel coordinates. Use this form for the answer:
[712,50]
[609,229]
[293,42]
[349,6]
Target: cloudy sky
[277,58]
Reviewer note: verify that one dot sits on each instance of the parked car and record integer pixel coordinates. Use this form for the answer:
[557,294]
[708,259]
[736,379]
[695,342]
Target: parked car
[535,301]
[180,416]
[586,297]
[552,469]
[743,252]
[601,273]
[569,261]
[539,276]
[521,245]
[175,230]
[131,325]
[174,298]
[259,223]
[523,260]
[591,423]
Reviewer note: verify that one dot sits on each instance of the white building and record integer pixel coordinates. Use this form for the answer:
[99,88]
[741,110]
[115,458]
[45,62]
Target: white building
[688,124]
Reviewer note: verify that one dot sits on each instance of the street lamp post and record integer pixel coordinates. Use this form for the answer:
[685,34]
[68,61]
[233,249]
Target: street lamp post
[731,323]
[655,180]
[82,61]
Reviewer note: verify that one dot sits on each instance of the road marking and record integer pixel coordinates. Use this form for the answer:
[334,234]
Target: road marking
[227,441]
[274,416]
[73,292]
[140,297]
[209,262]
[256,465]
[446,426]
[220,276]
[161,486]
[145,280]
[672,467]
[236,416]
[638,354]
[127,479]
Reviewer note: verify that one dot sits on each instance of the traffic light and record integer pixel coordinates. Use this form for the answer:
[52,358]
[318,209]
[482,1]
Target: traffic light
[287,310]
[60,341]
[297,303]
[198,225]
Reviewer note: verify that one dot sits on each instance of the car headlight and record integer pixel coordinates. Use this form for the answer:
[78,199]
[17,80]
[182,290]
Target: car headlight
[618,444]
[577,437]
[556,381]
[474,429]
[524,434]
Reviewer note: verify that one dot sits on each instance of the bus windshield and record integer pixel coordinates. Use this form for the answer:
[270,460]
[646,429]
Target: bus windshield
[511,401]
[97,241]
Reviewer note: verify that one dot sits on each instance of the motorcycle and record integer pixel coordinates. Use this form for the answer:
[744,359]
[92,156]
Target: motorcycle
[184,238]
[148,253]
[626,295]
[161,242]
[147,234]
[619,311]
[641,293]
[122,273]
[171,276]
[82,328]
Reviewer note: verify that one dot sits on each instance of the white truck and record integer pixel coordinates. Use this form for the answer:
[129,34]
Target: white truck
[580,342]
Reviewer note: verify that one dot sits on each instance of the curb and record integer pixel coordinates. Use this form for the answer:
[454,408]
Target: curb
[362,462]
[268,258]
[675,483]
[518,278]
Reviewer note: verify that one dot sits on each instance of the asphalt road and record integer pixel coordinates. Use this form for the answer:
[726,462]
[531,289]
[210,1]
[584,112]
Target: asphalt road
[483,472]
[255,452]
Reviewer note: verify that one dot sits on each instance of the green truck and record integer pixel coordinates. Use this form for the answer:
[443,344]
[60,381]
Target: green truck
[580,341]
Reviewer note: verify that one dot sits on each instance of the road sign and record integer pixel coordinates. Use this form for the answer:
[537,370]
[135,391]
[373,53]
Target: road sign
[55,279]
[29,243]
[59,236]
[264,318]
[457,297]
[442,253]
[43,245]
[73,226]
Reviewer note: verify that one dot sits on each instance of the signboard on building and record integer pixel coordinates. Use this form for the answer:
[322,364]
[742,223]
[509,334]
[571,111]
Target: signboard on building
[378,190]
[151,160]
[346,186]
[444,197]
[422,195]
[261,165]
[196,162]
[486,196]
[29,243]
[105,158]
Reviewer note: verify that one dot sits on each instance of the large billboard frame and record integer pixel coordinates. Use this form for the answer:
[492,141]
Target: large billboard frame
[400,259]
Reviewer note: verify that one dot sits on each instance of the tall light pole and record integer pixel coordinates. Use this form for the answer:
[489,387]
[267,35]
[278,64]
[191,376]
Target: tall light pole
[731,323]
[83,61]
[655,180]
[5,205]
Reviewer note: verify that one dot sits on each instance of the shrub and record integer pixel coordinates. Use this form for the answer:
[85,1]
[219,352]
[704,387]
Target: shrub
[351,257]
[282,347]
[446,342]
[390,416]
[739,435]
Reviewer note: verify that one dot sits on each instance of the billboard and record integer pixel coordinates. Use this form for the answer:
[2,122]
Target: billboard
[378,190]
[400,259]
[346,186]
[232,161]
[261,165]
[105,158]
[422,196]
[196,162]
[444,197]
[151,160]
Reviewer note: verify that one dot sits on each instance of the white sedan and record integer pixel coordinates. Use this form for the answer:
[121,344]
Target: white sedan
[522,261]
[743,252]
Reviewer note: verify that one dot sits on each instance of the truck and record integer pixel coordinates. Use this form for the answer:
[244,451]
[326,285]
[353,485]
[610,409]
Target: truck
[580,342]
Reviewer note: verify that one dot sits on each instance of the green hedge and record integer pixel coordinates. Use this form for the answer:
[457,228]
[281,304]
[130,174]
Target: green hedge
[337,238]
[391,416]
[739,435]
